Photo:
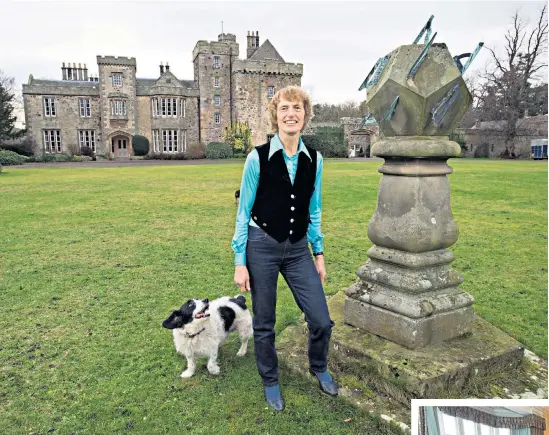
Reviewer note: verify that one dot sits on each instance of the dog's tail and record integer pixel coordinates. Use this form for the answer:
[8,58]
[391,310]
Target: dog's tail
[240,300]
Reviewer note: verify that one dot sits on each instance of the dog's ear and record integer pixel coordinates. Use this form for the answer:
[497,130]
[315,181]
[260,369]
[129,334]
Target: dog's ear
[174,321]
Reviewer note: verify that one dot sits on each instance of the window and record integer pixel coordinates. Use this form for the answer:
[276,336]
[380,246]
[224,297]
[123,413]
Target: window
[184,110]
[156,140]
[52,141]
[270,91]
[217,118]
[117,79]
[85,107]
[86,138]
[217,100]
[169,141]
[50,109]
[217,62]
[118,107]
[216,82]
[184,140]
[162,107]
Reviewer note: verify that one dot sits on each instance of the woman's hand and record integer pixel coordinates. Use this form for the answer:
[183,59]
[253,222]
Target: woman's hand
[320,268]
[242,278]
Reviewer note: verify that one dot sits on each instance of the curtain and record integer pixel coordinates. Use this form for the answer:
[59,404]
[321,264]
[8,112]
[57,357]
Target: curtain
[431,420]
[523,431]
[534,424]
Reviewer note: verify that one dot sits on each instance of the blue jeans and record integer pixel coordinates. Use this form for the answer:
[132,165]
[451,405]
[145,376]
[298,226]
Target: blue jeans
[265,259]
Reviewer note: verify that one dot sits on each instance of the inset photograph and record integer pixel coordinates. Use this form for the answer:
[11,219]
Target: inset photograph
[477,418]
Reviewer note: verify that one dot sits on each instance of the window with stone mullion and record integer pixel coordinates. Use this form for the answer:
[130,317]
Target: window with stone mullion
[169,140]
[49,107]
[52,141]
[85,108]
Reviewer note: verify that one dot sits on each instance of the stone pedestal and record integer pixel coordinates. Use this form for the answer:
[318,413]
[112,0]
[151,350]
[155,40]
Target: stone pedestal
[407,291]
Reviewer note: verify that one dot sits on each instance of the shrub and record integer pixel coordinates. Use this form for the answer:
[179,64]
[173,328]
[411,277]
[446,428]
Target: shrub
[11,158]
[0,169]
[25,147]
[140,145]
[82,159]
[166,156]
[73,149]
[482,151]
[218,150]
[239,137]
[48,158]
[87,151]
[328,141]
[195,151]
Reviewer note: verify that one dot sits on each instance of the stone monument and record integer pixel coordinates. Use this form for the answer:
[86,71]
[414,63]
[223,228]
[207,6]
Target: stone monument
[408,293]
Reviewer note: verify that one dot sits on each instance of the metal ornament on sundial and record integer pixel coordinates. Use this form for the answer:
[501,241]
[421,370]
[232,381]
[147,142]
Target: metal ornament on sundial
[407,291]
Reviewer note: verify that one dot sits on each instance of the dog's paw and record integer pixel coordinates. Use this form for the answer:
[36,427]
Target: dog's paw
[214,370]
[241,352]
[187,374]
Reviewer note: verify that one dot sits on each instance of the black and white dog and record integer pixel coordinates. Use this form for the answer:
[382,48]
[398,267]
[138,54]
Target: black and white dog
[200,326]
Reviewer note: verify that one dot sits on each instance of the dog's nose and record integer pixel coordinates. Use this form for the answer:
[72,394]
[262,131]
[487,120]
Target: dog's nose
[205,301]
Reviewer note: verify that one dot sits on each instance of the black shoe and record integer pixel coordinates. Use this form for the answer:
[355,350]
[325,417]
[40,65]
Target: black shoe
[274,398]
[329,387]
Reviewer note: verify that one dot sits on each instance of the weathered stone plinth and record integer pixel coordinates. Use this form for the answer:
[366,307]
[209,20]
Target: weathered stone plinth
[386,368]
[407,291]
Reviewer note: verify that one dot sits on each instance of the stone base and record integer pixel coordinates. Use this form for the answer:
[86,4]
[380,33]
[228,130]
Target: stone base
[391,373]
[406,331]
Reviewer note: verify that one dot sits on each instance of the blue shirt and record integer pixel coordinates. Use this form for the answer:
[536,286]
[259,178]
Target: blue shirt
[248,190]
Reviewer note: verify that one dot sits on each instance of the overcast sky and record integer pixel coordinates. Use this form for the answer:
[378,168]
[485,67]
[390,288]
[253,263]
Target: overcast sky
[337,42]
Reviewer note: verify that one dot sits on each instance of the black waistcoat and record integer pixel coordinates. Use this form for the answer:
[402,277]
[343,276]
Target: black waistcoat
[280,208]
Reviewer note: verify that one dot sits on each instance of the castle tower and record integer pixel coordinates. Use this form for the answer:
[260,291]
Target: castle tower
[213,73]
[117,91]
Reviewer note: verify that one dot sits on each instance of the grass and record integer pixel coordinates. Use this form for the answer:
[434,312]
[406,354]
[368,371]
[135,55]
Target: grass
[93,259]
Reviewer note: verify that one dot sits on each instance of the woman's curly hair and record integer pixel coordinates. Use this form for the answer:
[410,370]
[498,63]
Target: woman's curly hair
[290,93]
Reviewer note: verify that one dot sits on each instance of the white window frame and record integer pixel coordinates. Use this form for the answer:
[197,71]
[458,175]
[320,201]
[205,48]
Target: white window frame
[85,107]
[216,82]
[165,107]
[184,132]
[117,79]
[50,107]
[156,140]
[183,107]
[86,138]
[52,141]
[217,118]
[118,108]
[217,100]
[270,92]
[216,62]
[170,141]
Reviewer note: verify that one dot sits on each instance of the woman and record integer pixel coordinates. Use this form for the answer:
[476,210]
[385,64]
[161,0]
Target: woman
[279,211]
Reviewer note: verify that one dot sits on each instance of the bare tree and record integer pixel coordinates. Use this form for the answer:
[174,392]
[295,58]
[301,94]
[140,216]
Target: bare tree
[506,85]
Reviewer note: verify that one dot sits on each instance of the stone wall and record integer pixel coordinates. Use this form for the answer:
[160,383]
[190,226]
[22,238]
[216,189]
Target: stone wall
[487,139]
[67,118]
[251,101]
[205,73]
[113,125]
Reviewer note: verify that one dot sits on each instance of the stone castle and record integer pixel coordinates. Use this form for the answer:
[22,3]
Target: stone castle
[105,111]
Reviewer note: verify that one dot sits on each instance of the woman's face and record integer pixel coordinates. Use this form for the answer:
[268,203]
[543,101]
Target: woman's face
[290,116]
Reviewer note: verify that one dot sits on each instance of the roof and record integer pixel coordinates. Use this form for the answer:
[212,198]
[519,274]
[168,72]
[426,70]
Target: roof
[266,52]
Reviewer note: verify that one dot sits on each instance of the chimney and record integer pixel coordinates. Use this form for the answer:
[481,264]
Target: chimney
[161,68]
[85,73]
[256,40]
[252,44]
[167,67]
[64,71]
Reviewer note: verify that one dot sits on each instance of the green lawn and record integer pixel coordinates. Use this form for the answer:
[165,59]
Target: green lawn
[93,259]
